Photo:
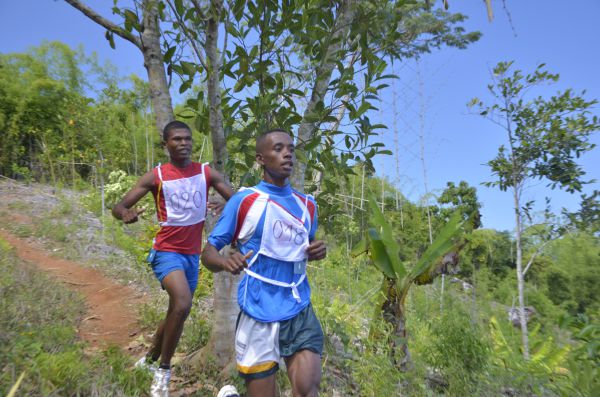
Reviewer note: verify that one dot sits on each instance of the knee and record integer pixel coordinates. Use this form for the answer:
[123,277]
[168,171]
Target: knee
[182,307]
[306,389]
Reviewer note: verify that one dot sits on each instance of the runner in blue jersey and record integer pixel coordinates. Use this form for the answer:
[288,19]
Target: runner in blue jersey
[274,227]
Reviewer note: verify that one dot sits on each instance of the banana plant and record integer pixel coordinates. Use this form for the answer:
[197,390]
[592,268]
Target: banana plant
[383,251]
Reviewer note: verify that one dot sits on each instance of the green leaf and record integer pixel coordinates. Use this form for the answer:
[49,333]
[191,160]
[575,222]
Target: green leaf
[132,19]
[389,242]
[179,7]
[238,9]
[111,40]
[443,243]
[185,86]
[379,254]
[360,248]
[188,68]
[169,54]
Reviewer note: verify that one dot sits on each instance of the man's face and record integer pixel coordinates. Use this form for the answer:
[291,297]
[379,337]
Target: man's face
[276,155]
[179,144]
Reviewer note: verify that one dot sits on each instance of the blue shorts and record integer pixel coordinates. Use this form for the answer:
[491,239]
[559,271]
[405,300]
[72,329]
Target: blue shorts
[164,262]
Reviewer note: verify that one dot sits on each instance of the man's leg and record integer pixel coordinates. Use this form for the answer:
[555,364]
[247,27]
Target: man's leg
[262,387]
[154,352]
[304,372]
[180,303]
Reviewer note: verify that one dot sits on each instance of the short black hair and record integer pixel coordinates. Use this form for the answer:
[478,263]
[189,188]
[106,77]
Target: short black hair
[174,125]
[261,137]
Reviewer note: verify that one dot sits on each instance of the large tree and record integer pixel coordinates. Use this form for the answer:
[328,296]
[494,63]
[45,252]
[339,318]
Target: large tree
[544,138]
[143,31]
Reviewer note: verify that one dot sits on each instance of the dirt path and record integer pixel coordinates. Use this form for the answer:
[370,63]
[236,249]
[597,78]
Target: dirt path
[111,316]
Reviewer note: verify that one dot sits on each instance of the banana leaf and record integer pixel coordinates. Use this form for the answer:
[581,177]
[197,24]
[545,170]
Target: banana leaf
[382,231]
[379,254]
[443,243]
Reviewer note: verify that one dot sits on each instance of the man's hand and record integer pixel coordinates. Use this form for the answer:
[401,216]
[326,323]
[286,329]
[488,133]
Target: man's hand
[316,250]
[236,262]
[130,215]
[215,207]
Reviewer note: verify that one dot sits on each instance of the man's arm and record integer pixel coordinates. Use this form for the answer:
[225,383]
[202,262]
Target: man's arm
[216,262]
[123,209]
[316,249]
[217,181]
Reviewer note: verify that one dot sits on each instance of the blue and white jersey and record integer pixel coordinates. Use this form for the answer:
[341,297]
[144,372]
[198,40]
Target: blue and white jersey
[273,289]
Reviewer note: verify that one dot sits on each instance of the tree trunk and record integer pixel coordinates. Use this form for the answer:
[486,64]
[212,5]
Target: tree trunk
[520,275]
[306,130]
[393,312]
[215,116]
[222,340]
[153,62]
[148,43]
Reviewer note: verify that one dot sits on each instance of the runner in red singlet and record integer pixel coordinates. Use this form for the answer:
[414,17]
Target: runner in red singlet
[180,190]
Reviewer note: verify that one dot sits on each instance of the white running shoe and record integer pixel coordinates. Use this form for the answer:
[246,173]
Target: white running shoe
[160,383]
[228,391]
[149,366]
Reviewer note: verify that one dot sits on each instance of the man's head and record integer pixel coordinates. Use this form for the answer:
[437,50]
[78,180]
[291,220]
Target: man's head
[275,153]
[177,138]
[173,125]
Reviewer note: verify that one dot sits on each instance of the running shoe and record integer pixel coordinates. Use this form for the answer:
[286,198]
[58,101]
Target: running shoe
[146,364]
[228,391]
[160,383]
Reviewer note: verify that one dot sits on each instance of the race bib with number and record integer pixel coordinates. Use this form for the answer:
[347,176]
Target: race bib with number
[185,200]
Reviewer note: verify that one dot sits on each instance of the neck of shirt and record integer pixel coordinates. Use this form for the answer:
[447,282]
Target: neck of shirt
[283,191]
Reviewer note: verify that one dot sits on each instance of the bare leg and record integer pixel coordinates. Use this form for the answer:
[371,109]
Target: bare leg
[180,303]
[154,352]
[263,387]
[304,372]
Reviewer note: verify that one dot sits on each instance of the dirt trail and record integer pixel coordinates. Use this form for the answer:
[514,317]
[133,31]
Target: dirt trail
[111,316]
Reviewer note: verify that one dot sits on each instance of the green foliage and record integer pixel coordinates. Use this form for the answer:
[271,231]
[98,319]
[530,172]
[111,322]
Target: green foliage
[120,183]
[547,359]
[458,349]
[584,361]
[339,318]
[462,197]
[375,374]
[576,265]
[588,216]
[55,132]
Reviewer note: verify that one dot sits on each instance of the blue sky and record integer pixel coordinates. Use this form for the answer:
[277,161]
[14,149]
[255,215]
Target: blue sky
[564,35]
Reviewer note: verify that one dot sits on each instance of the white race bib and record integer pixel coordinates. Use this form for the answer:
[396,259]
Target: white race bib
[185,200]
[284,236]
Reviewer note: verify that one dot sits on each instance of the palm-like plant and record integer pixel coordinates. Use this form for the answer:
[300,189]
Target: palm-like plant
[384,252]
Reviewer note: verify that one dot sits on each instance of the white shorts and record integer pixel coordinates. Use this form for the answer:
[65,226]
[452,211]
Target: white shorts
[256,347]
[259,346]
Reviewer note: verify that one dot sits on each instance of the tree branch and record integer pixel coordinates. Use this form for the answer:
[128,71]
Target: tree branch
[187,33]
[530,262]
[100,20]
